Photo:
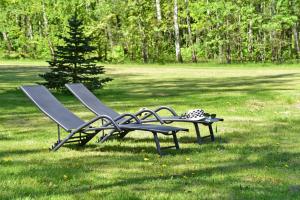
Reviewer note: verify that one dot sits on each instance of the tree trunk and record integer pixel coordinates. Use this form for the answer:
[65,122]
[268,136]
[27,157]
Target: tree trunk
[207,11]
[110,36]
[46,30]
[145,51]
[228,54]
[159,34]
[8,42]
[40,26]
[250,41]
[228,47]
[296,40]
[221,57]
[264,57]
[29,28]
[32,47]
[273,34]
[177,36]
[158,10]
[273,50]
[105,52]
[144,44]
[188,21]
[240,45]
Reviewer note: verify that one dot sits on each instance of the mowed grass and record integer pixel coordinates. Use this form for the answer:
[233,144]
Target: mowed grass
[256,154]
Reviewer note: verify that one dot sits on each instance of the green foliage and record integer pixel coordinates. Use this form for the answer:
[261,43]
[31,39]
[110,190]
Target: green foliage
[226,30]
[116,55]
[71,63]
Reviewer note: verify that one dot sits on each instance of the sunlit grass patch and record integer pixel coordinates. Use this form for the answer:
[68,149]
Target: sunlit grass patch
[256,154]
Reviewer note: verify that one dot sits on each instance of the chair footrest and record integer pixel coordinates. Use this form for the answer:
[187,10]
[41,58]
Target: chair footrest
[112,135]
[168,147]
[82,137]
[73,141]
[206,136]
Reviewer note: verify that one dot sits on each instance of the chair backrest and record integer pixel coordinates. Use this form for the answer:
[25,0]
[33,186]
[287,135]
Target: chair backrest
[51,107]
[90,100]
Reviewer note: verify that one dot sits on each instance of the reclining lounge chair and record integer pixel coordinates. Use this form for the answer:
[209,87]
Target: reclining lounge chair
[96,106]
[81,132]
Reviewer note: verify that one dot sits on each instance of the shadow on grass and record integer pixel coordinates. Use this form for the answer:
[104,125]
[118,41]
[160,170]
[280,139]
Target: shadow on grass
[137,91]
[212,176]
[130,145]
[141,93]
[247,164]
[3,137]
[21,152]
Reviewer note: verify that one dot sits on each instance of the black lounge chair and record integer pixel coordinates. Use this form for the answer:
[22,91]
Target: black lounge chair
[81,132]
[96,106]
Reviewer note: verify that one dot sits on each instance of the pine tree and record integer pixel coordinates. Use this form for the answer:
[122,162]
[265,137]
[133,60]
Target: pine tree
[71,62]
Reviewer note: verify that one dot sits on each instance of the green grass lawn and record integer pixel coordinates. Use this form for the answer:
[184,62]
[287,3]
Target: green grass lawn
[256,154]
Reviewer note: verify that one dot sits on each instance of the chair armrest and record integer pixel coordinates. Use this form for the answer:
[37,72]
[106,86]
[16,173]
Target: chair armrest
[171,110]
[96,119]
[128,115]
[151,112]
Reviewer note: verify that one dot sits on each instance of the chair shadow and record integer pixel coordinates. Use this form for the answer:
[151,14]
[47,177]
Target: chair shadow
[147,145]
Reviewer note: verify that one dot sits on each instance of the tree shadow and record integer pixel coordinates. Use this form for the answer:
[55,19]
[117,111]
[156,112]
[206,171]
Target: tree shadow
[237,166]
[3,137]
[141,93]
[237,186]
[22,152]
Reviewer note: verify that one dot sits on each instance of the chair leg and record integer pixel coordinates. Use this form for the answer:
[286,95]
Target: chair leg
[199,140]
[88,138]
[122,135]
[157,143]
[175,140]
[57,145]
[212,137]
[103,139]
[58,133]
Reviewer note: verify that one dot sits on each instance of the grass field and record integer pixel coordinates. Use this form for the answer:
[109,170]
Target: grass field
[256,154]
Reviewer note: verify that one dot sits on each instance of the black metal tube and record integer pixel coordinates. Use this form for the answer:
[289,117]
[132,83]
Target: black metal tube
[58,133]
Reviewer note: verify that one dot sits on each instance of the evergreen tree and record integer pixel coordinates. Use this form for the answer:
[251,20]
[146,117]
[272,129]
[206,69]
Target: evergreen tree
[71,63]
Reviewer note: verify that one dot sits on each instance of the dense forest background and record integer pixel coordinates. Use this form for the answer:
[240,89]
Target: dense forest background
[157,30]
